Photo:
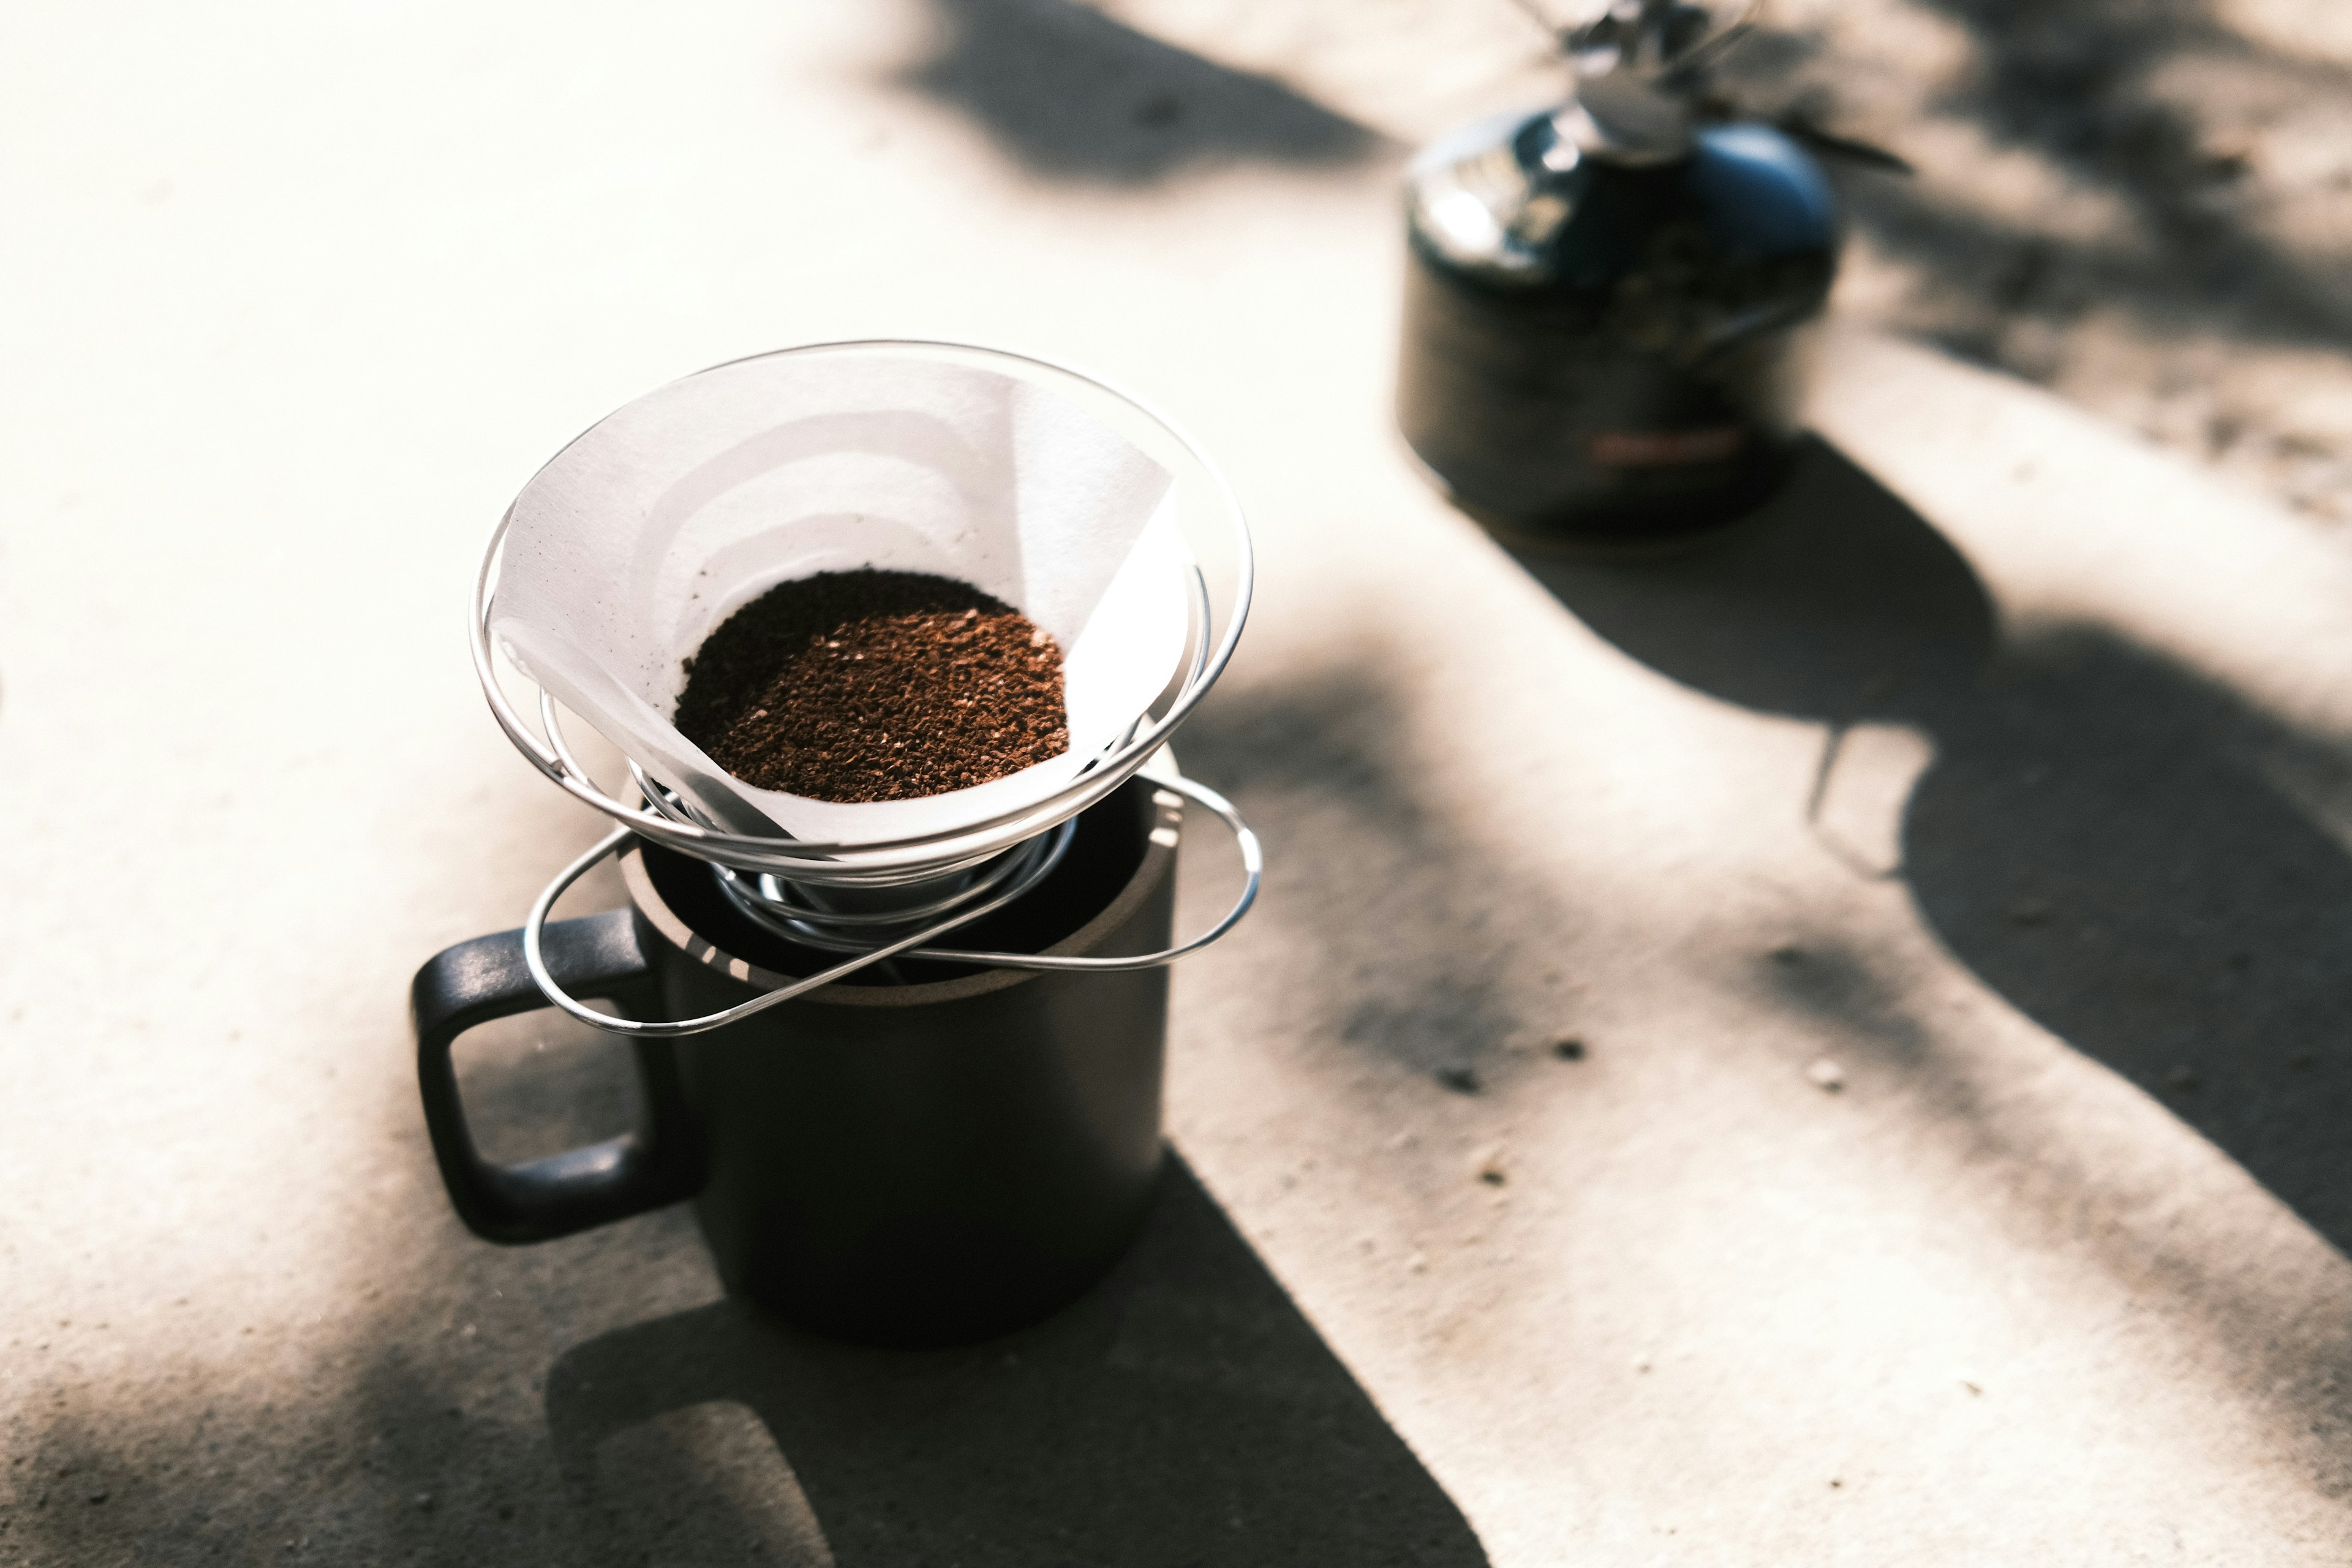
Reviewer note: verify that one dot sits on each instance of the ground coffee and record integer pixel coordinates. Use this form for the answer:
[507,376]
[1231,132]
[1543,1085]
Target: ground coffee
[864,686]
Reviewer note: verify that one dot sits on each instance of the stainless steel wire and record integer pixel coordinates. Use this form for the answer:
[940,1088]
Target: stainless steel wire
[1031,866]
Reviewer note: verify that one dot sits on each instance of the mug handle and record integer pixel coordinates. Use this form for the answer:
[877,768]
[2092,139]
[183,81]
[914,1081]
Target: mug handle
[475,982]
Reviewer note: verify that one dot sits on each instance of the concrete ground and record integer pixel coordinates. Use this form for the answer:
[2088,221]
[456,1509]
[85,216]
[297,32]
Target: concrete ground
[1944,879]
[2143,205]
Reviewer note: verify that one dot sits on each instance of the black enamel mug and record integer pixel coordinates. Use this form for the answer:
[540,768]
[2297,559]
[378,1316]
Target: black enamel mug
[924,1160]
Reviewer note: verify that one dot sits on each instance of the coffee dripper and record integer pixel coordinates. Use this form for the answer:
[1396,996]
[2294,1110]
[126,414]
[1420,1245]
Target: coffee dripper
[910,1079]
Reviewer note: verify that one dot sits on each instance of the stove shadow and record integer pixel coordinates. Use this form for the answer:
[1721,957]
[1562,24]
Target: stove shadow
[2104,837]
[1183,1412]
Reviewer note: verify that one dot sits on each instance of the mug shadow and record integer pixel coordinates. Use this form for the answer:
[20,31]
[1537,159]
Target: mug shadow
[1183,1412]
[2099,836]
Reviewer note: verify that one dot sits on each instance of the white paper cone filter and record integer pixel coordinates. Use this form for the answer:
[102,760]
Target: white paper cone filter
[655,525]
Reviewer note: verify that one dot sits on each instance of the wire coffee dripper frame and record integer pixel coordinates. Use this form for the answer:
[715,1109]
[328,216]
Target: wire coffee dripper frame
[770,878]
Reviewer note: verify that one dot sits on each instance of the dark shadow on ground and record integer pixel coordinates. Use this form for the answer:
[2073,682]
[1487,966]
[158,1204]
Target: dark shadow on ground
[2098,836]
[1429,968]
[2096,86]
[387,1464]
[1182,1413]
[1075,95]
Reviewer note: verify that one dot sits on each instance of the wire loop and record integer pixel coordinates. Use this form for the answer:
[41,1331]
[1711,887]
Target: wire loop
[1031,865]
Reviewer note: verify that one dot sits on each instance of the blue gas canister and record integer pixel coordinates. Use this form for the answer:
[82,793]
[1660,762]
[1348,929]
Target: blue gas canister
[1608,302]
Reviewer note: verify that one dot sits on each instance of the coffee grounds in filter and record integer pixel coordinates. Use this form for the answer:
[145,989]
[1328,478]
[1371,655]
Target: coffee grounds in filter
[868,686]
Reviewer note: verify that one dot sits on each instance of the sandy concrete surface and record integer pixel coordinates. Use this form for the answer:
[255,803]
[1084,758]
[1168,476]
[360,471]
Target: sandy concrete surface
[2143,205]
[1944,880]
